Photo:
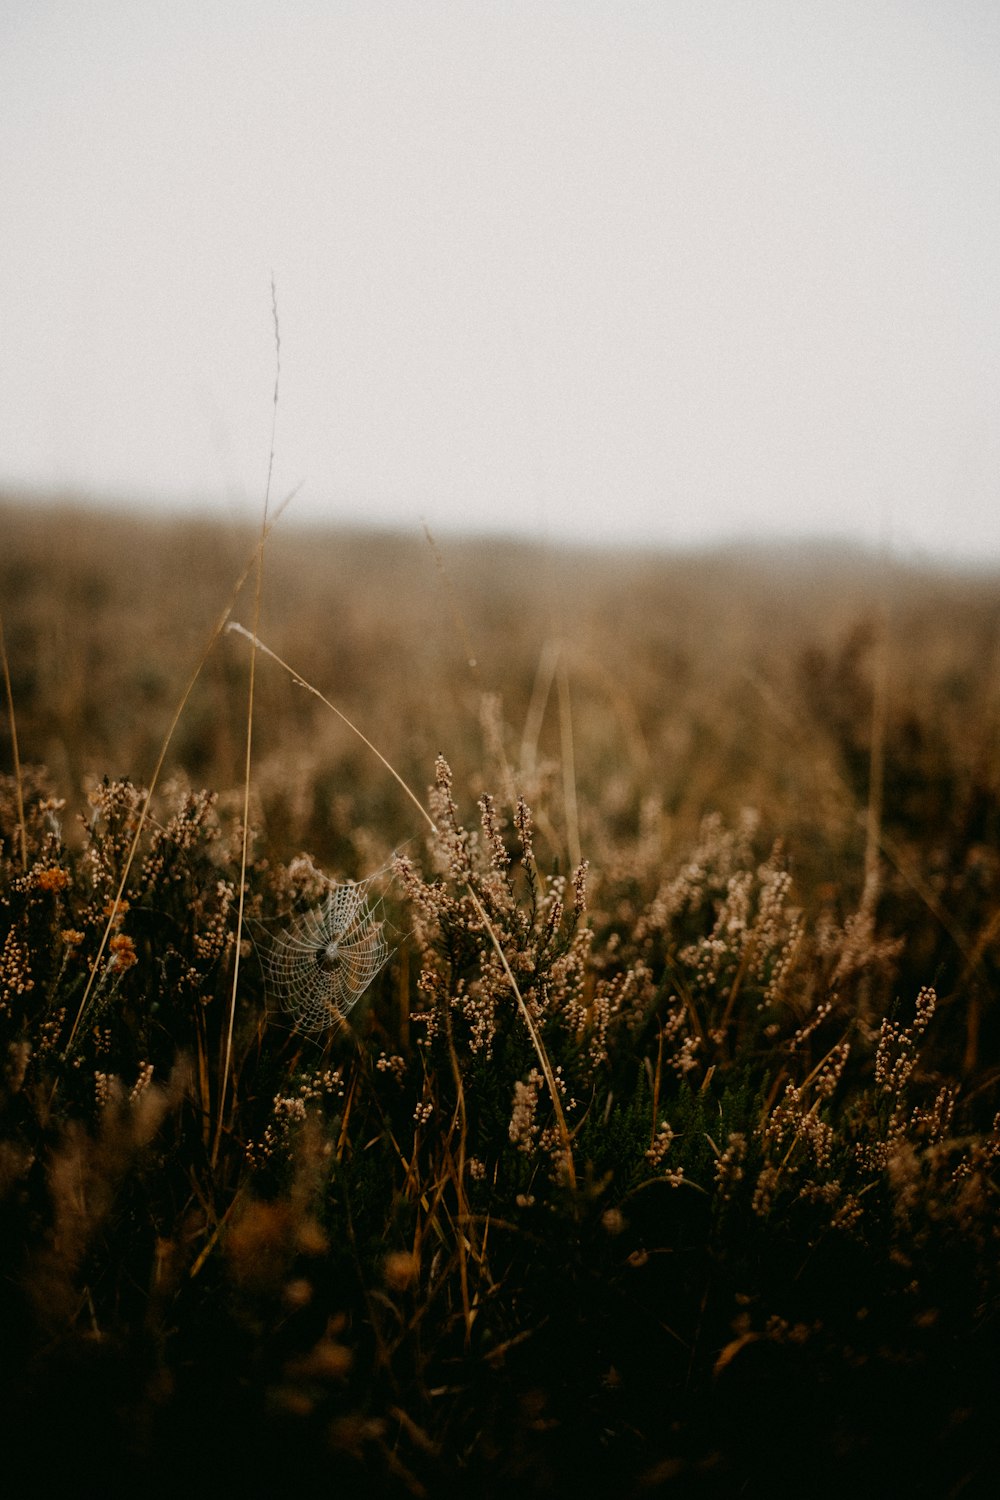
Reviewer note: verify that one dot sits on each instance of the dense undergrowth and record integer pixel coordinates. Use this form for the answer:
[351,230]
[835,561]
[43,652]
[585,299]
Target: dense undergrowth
[671,1170]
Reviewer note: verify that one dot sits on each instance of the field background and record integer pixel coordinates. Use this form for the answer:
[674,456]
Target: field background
[852,702]
[711,682]
[692,678]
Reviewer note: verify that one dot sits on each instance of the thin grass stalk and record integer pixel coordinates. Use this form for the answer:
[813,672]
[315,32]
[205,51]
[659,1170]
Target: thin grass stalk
[536,1040]
[15,753]
[557,611]
[470,656]
[568,765]
[876,770]
[544,674]
[472,661]
[657,1083]
[217,630]
[462,1201]
[213,1238]
[245,840]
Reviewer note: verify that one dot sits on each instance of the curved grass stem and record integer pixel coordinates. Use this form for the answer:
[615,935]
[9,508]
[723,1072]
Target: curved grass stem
[536,1040]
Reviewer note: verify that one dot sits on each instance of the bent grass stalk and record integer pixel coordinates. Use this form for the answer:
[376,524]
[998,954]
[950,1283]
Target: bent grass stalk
[488,926]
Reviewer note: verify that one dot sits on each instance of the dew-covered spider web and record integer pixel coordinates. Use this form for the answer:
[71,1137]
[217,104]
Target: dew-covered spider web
[319,967]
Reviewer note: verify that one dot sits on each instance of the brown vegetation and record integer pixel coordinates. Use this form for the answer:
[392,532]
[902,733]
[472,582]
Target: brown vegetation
[661,1154]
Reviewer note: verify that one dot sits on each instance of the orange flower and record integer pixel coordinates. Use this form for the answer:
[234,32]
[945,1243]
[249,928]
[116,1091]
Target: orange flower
[55,878]
[123,951]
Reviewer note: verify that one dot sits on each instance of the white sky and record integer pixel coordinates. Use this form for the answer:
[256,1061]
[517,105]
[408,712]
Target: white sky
[671,269]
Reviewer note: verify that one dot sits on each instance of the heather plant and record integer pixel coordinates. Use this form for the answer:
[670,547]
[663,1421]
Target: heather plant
[671,1168]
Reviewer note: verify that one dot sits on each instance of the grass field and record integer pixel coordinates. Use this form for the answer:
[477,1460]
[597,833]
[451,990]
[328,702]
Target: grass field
[629,1126]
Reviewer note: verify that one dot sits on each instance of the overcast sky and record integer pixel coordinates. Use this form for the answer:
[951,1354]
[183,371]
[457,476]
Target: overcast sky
[623,269]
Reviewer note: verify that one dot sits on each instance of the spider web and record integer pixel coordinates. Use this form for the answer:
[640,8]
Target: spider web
[319,967]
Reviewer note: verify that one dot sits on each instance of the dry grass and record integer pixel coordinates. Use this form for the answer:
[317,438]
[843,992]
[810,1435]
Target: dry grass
[676,1173]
